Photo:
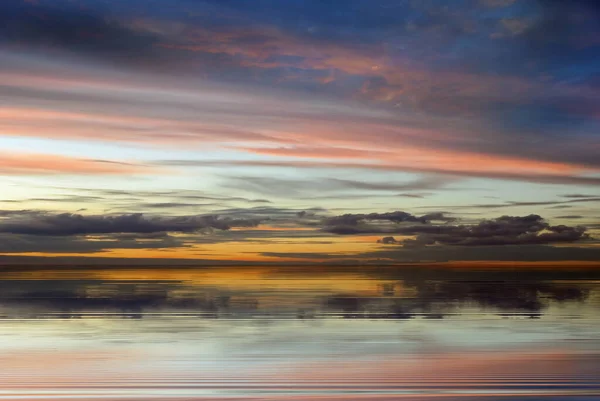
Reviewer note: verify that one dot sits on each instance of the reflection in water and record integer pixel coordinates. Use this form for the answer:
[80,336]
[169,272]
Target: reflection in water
[285,333]
[277,293]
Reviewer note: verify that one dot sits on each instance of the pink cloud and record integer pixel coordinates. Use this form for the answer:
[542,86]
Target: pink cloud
[413,158]
[44,164]
[190,114]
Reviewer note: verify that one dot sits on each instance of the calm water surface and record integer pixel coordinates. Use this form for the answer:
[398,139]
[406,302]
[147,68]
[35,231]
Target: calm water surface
[271,333]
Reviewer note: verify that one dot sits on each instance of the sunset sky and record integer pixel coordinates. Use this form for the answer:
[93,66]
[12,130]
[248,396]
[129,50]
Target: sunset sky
[355,131]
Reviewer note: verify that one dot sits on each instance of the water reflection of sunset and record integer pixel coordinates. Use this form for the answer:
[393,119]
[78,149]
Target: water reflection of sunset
[313,332]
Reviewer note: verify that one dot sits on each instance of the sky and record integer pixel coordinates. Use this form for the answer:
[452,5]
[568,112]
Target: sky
[269,131]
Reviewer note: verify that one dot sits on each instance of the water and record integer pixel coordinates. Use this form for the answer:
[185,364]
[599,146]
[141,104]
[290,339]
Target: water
[268,333]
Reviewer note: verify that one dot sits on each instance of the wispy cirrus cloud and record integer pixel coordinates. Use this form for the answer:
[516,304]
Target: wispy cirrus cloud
[295,188]
[464,171]
[509,204]
[441,113]
[48,164]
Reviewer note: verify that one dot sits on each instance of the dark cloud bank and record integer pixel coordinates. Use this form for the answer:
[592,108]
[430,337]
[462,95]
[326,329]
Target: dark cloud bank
[438,229]
[35,231]
[432,237]
[64,224]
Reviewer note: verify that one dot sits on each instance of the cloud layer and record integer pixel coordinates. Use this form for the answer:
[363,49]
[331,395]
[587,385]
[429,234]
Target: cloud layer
[436,87]
[64,224]
[22,164]
[248,234]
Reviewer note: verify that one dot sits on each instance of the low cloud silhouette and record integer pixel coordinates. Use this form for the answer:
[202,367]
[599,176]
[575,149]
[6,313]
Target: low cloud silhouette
[432,236]
[346,223]
[66,224]
[387,240]
[12,243]
[505,230]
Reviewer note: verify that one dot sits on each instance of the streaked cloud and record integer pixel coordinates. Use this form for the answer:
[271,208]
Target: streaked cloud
[47,164]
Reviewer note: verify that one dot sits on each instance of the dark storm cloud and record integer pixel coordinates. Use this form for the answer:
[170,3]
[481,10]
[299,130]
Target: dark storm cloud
[505,230]
[65,224]
[359,223]
[438,229]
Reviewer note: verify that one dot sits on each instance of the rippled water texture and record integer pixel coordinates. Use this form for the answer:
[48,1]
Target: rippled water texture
[291,333]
